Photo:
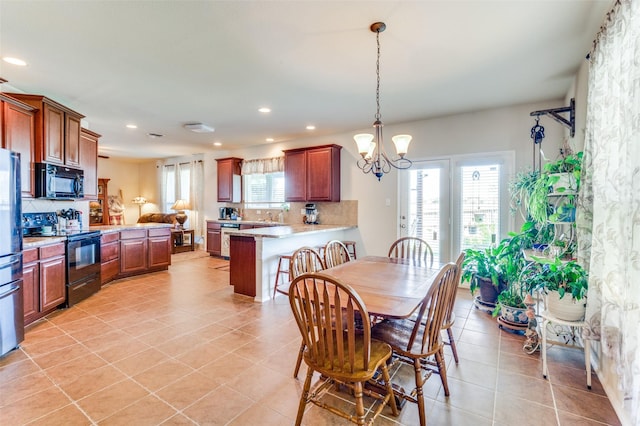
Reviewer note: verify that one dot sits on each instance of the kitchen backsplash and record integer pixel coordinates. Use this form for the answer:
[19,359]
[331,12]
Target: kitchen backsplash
[37,205]
[344,212]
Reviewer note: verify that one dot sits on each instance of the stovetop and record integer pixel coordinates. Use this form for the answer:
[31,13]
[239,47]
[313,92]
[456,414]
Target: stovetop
[45,224]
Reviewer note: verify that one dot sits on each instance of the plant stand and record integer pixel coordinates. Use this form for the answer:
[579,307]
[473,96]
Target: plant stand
[567,330]
[512,326]
[483,306]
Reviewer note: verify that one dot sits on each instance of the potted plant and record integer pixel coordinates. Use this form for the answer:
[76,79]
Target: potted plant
[564,282]
[511,306]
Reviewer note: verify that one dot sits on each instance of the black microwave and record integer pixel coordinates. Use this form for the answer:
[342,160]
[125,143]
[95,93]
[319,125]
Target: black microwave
[59,182]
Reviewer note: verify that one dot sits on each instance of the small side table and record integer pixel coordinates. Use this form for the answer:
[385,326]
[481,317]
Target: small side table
[548,318]
[182,240]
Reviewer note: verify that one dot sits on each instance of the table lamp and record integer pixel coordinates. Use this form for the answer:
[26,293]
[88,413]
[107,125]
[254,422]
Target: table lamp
[180,206]
[139,201]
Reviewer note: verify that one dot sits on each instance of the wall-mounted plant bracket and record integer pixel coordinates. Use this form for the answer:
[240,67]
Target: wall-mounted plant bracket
[555,114]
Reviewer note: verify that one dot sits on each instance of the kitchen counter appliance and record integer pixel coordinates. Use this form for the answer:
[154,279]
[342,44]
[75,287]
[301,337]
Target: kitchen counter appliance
[11,292]
[82,250]
[59,182]
[225,245]
[311,214]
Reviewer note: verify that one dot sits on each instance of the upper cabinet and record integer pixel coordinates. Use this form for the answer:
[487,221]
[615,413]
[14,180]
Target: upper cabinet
[57,131]
[312,174]
[229,180]
[17,133]
[88,159]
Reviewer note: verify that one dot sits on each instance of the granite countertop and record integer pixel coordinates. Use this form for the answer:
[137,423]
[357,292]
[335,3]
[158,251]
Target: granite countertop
[286,231]
[31,242]
[247,222]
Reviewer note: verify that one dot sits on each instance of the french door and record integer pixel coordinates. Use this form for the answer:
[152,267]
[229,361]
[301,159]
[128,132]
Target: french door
[456,203]
[425,205]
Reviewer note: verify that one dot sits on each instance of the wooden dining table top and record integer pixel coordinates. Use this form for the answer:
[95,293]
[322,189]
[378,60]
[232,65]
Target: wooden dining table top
[389,287]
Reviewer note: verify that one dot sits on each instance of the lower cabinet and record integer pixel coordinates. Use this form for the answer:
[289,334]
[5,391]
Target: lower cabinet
[214,239]
[144,250]
[109,256]
[43,280]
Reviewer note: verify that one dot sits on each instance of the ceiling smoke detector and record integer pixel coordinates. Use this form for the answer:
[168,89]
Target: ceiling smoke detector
[199,128]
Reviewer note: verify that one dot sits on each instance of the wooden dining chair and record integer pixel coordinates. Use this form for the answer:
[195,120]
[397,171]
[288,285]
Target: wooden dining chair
[335,253]
[303,260]
[450,316]
[326,311]
[413,248]
[415,342]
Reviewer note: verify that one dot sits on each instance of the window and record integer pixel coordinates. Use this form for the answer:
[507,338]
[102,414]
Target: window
[264,190]
[480,206]
[177,184]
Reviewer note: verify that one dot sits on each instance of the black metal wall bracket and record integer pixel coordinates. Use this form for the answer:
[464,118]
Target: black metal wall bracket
[555,114]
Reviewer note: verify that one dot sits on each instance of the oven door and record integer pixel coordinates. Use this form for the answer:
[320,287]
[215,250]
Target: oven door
[83,258]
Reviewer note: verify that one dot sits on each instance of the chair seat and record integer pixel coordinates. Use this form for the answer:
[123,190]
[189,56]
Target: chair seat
[379,353]
[397,333]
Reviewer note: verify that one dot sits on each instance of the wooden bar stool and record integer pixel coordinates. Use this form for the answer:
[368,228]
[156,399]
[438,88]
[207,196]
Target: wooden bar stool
[283,268]
[351,247]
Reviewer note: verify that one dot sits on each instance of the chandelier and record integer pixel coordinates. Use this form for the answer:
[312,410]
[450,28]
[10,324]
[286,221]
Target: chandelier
[374,158]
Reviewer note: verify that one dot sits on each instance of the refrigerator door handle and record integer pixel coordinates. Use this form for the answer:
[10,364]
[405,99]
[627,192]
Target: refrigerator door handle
[13,288]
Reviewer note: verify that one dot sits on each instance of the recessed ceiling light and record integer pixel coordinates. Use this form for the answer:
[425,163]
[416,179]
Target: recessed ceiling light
[15,61]
[311,127]
[131,126]
[264,109]
[269,139]
[217,144]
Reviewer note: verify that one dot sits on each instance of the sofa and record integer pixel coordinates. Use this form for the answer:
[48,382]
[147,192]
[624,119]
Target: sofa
[158,218]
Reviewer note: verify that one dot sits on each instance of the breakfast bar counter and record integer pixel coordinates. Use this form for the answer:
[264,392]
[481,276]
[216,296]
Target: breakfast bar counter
[255,253]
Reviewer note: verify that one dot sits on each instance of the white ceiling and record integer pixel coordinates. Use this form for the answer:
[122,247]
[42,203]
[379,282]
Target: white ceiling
[161,64]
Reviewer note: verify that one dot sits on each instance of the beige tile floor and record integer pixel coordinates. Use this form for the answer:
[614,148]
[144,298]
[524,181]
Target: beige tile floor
[178,347]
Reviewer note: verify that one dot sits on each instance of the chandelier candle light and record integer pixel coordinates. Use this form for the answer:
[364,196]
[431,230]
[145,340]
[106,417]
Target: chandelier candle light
[374,158]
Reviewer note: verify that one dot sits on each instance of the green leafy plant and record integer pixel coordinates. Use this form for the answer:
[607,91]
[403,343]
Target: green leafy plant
[510,297]
[565,277]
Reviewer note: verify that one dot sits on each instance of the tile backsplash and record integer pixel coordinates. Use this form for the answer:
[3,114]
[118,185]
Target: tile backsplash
[37,205]
[344,212]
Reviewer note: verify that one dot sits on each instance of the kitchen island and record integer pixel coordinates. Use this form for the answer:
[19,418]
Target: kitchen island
[255,253]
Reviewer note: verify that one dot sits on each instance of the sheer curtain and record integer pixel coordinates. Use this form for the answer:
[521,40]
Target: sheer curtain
[185,181]
[609,218]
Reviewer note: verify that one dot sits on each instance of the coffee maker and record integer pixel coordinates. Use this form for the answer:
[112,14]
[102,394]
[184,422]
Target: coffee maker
[311,214]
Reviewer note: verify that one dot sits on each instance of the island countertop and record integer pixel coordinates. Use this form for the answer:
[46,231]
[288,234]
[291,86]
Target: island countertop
[286,231]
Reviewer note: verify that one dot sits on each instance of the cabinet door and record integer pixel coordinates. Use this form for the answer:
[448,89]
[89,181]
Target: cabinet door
[295,176]
[52,290]
[19,136]
[31,291]
[323,174]
[214,242]
[229,180]
[89,163]
[159,249]
[133,255]
[53,137]
[72,141]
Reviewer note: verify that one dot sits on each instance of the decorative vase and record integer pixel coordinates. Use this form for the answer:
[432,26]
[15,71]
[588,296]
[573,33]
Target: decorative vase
[567,308]
[514,315]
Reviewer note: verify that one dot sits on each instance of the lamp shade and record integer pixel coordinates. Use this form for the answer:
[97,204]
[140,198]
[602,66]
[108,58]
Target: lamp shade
[402,143]
[364,142]
[181,205]
[139,200]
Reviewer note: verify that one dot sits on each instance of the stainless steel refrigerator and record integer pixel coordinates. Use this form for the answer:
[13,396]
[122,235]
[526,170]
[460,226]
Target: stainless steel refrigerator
[11,304]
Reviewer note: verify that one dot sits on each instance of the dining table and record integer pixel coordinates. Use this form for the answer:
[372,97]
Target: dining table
[389,287]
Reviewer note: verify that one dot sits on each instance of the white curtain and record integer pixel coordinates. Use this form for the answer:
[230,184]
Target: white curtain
[196,197]
[263,165]
[609,218]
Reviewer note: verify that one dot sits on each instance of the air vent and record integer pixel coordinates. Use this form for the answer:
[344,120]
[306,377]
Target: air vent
[199,128]
[154,135]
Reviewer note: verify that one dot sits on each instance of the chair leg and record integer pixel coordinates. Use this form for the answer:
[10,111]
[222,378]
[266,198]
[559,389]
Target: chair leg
[387,381]
[417,366]
[299,361]
[442,371]
[357,388]
[452,343]
[304,397]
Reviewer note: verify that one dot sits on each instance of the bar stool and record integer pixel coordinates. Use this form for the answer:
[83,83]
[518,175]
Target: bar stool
[283,268]
[351,247]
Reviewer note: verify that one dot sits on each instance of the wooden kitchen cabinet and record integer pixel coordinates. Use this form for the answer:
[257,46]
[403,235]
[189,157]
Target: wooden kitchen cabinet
[44,270]
[57,136]
[312,174]
[214,239]
[99,209]
[109,257]
[133,251]
[229,180]
[160,246]
[88,159]
[242,260]
[17,132]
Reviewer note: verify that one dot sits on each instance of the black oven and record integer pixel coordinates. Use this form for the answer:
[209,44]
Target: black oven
[59,182]
[83,266]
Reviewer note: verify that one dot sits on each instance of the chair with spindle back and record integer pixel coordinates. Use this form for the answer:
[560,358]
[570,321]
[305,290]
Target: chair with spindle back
[335,253]
[415,249]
